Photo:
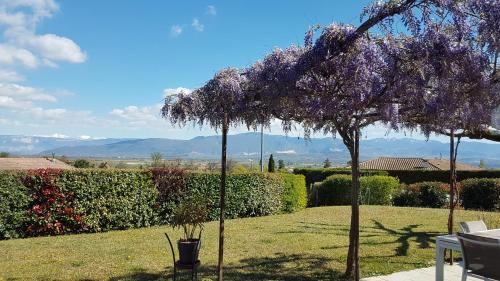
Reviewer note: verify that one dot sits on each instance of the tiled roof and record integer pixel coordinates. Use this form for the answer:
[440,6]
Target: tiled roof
[32,164]
[409,163]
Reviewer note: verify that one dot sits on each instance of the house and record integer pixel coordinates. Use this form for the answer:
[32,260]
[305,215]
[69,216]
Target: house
[21,163]
[412,163]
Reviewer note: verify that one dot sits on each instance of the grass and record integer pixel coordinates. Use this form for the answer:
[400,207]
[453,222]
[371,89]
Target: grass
[308,245]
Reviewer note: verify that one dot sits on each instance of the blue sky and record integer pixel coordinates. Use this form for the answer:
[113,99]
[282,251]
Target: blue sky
[102,68]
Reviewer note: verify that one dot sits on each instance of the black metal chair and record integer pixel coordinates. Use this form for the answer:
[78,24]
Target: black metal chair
[193,267]
[481,256]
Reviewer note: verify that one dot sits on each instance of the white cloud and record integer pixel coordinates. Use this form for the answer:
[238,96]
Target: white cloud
[26,94]
[197,25]
[10,76]
[211,10]
[174,91]
[22,44]
[175,30]
[138,114]
[11,55]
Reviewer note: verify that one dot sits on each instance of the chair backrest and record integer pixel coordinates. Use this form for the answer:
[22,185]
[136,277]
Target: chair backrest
[481,255]
[472,226]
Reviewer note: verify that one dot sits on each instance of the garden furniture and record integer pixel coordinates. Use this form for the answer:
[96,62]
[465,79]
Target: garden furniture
[178,265]
[472,226]
[481,255]
[451,242]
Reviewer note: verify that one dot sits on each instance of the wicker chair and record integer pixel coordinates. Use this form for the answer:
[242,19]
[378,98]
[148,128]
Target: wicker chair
[472,226]
[481,256]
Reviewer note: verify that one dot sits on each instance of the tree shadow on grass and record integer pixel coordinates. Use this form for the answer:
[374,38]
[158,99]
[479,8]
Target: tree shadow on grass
[423,238]
[279,267]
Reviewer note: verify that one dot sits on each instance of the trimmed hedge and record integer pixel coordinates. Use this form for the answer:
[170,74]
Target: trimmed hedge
[378,190]
[52,202]
[314,175]
[375,190]
[483,194]
[14,201]
[424,194]
[404,176]
[294,196]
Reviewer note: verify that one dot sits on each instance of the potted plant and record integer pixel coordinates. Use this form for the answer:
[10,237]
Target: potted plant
[189,216]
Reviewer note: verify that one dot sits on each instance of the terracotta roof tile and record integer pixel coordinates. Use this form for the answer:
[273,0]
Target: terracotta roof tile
[411,163]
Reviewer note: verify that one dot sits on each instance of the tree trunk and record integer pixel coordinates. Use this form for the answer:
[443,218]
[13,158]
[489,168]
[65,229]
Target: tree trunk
[453,183]
[222,200]
[352,271]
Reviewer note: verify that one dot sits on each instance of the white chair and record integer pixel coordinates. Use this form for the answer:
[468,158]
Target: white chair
[472,226]
[481,257]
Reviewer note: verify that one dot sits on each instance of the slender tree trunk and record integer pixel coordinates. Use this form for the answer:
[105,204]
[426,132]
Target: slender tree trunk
[352,271]
[222,200]
[453,183]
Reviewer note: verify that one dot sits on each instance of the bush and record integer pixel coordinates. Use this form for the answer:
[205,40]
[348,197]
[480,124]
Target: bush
[416,176]
[378,190]
[294,193]
[51,211]
[483,194]
[247,195]
[112,199]
[320,174]
[171,186]
[424,194]
[82,163]
[375,190]
[14,201]
[335,190]
[51,202]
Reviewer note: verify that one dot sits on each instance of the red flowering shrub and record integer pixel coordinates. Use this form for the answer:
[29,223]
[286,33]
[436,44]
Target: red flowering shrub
[51,211]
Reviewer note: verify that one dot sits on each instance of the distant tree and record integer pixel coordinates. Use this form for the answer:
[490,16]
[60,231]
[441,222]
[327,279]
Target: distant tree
[82,163]
[281,164]
[482,165]
[230,165]
[156,159]
[327,163]
[212,166]
[4,154]
[271,166]
[103,165]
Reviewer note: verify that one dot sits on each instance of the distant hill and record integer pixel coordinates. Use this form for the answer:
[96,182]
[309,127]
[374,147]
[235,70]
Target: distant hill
[247,146]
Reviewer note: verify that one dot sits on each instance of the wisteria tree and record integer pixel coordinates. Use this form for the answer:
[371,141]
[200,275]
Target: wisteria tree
[338,95]
[220,103]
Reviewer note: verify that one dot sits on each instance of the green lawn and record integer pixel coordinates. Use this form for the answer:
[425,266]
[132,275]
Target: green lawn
[308,245]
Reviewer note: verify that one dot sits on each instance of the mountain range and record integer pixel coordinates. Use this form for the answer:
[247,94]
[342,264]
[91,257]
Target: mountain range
[247,146]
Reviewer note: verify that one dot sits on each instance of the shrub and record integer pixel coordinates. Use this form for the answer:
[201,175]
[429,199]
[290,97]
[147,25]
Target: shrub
[14,201]
[335,190]
[82,163]
[377,190]
[171,186]
[319,174]
[294,193]
[190,215]
[483,194]
[51,211]
[415,176]
[247,195]
[112,199]
[424,194]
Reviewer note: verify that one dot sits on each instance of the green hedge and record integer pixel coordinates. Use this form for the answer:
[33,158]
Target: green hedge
[111,199]
[14,201]
[320,174]
[246,194]
[52,202]
[414,176]
[294,193]
[336,190]
[482,194]
[423,194]
[404,176]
